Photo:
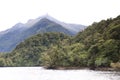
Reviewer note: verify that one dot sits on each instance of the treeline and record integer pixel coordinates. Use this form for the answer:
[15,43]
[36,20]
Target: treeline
[28,52]
[96,46]
[102,42]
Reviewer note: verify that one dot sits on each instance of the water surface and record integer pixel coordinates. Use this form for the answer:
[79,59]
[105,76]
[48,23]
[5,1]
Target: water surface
[38,73]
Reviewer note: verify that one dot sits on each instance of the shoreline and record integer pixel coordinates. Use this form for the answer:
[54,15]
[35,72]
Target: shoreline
[79,68]
[73,68]
[107,69]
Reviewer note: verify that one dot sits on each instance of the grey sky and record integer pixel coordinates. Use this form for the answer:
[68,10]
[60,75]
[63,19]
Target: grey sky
[71,11]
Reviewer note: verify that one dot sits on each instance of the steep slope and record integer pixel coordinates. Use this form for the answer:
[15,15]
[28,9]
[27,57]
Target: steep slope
[45,25]
[102,41]
[12,37]
[28,53]
[98,46]
[75,28]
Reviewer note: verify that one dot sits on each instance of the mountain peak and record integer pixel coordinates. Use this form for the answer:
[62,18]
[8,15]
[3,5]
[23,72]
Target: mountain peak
[31,22]
[72,27]
[46,16]
[43,24]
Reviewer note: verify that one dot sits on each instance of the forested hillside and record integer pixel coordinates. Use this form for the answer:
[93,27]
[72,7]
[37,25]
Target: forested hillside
[12,37]
[28,53]
[102,42]
[96,46]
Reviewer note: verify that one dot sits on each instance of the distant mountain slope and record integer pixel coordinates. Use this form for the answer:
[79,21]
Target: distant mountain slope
[45,25]
[75,28]
[13,36]
[98,46]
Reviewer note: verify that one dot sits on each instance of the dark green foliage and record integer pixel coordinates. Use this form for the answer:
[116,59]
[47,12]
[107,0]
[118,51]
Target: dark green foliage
[28,52]
[102,41]
[96,46]
[65,56]
[110,49]
[114,32]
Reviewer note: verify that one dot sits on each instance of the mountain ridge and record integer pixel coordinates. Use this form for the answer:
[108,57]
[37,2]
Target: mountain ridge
[19,32]
[98,46]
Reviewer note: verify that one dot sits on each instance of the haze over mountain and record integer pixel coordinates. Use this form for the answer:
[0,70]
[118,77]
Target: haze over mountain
[19,32]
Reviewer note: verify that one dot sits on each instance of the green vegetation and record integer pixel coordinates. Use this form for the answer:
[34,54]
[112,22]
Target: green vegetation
[14,36]
[28,53]
[102,42]
[65,56]
[96,46]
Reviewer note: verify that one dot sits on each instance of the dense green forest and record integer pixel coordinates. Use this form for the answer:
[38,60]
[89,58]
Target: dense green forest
[97,46]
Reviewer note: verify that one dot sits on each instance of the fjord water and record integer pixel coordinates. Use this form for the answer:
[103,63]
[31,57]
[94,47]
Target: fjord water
[38,73]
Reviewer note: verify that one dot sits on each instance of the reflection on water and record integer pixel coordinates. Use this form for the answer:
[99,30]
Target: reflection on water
[38,73]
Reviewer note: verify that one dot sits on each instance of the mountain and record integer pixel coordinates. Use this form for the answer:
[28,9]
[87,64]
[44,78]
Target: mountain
[45,25]
[98,46]
[11,37]
[18,33]
[18,26]
[75,28]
